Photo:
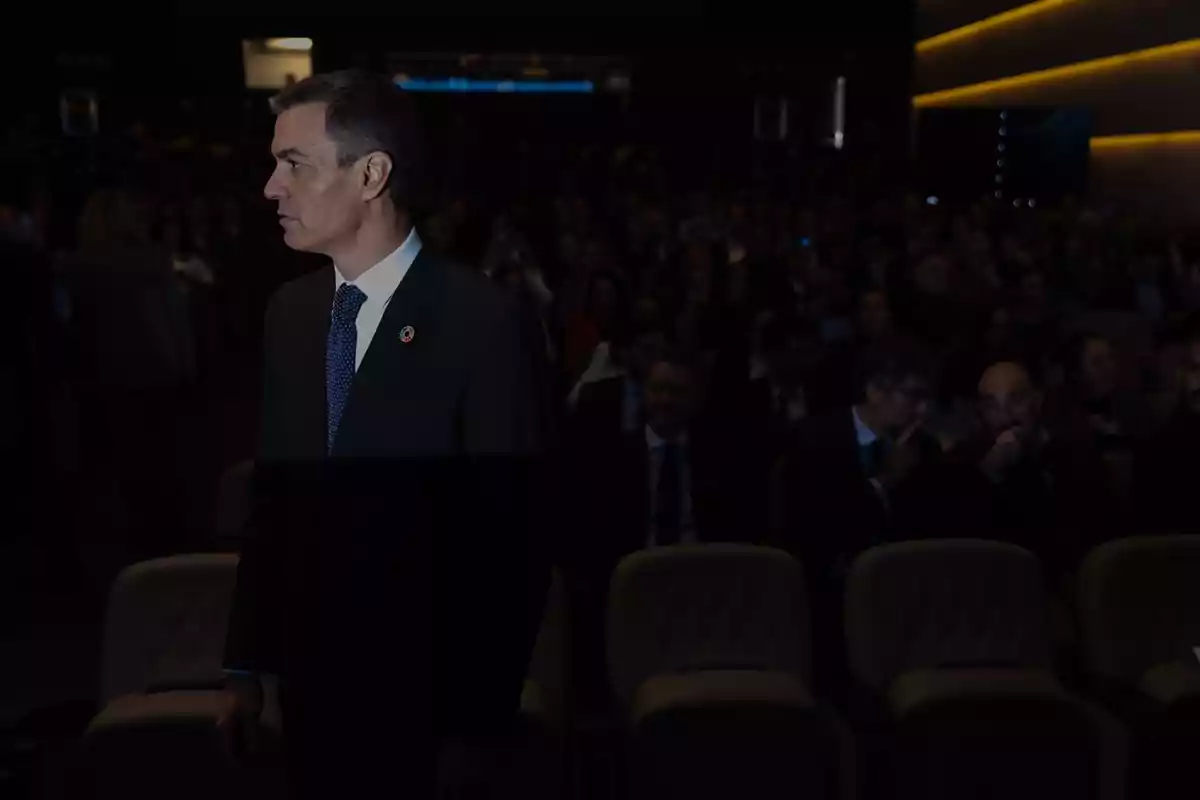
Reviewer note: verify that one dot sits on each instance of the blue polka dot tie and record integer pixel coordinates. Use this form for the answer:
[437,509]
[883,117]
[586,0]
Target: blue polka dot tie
[339,355]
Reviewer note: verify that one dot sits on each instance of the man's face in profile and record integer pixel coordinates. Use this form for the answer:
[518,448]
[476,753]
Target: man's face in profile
[318,200]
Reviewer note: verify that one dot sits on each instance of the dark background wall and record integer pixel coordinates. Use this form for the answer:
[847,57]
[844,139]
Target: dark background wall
[1152,96]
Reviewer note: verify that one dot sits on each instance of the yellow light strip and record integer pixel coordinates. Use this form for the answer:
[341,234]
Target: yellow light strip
[1189,47]
[991,23]
[1144,140]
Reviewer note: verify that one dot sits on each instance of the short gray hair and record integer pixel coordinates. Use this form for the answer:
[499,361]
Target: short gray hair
[364,113]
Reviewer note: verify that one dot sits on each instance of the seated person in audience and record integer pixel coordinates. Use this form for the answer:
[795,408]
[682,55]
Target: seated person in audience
[837,373]
[1019,482]
[1096,406]
[673,480]
[611,405]
[1168,471]
[1094,403]
[861,475]
[772,401]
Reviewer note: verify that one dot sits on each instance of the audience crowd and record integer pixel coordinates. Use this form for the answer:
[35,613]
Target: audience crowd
[817,372]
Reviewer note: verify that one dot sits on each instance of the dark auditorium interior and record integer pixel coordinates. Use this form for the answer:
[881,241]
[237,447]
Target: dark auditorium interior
[873,335]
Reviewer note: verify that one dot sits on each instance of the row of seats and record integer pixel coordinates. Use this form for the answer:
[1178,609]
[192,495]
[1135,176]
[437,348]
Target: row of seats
[709,655]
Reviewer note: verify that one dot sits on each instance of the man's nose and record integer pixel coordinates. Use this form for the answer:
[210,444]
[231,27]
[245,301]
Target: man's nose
[273,190]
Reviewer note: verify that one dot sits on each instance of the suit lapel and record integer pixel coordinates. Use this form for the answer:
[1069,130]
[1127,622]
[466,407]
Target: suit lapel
[397,351]
[412,306]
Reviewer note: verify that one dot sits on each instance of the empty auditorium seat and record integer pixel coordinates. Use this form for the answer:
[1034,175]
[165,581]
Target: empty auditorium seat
[708,652]
[537,767]
[544,695]
[1139,606]
[165,624]
[953,638]
[165,725]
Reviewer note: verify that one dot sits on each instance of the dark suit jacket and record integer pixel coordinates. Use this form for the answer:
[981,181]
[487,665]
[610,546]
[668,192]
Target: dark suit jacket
[405,569]
[826,512]
[599,411]
[611,487]
[1168,471]
[830,510]
[1057,502]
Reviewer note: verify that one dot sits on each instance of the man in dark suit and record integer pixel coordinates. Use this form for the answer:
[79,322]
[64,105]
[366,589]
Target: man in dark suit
[849,477]
[1023,482]
[853,478]
[392,579]
[612,406]
[672,480]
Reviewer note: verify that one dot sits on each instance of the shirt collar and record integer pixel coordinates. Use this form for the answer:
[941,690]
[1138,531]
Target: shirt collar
[380,281]
[865,435]
[654,441]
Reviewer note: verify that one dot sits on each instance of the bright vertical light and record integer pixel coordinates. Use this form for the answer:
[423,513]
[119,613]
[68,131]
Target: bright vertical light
[839,114]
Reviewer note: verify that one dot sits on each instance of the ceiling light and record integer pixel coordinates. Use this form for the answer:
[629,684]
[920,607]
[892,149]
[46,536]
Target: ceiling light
[296,43]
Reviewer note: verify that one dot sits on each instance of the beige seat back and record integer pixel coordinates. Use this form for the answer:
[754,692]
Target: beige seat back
[545,685]
[705,607]
[1139,603]
[945,603]
[166,623]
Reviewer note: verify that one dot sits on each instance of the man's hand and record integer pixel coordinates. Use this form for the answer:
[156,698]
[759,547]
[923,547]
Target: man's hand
[900,461]
[1003,454]
[903,457]
[248,706]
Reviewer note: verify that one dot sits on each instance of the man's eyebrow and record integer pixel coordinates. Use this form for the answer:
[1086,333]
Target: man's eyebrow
[289,152]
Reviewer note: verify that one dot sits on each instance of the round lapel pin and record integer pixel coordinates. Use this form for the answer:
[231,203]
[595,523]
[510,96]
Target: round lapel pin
[407,333]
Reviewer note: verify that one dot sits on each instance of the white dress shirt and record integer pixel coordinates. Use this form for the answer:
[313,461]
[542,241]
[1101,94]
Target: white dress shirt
[866,437]
[379,283]
[687,522]
[599,368]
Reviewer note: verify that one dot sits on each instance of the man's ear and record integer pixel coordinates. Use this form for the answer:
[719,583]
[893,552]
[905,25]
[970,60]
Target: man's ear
[376,169]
